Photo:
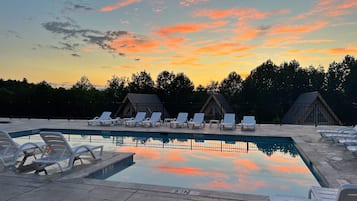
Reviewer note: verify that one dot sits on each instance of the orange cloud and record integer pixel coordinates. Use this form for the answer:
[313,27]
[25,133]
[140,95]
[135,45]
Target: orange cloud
[174,155]
[329,8]
[248,35]
[219,185]
[325,2]
[223,49]
[127,67]
[245,55]
[246,163]
[188,28]
[201,157]
[120,4]
[243,14]
[182,170]
[348,50]
[281,39]
[131,44]
[192,171]
[342,9]
[290,39]
[297,29]
[185,61]
[278,169]
[174,42]
[141,152]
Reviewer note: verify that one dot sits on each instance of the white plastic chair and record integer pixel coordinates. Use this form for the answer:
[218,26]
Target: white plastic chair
[140,116]
[338,131]
[228,121]
[59,150]
[153,120]
[248,122]
[346,192]
[10,151]
[105,116]
[197,121]
[180,120]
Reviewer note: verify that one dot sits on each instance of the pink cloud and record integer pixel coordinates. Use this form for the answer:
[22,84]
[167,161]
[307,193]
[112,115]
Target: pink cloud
[120,4]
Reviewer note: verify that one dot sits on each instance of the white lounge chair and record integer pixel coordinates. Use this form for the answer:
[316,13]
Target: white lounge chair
[336,136]
[197,121]
[105,116]
[60,151]
[346,192]
[140,116]
[348,141]
[248,122]
[228,121]
[10,151]
[153,120]
[338,131]
[180,121]
[352,148]
[110,121]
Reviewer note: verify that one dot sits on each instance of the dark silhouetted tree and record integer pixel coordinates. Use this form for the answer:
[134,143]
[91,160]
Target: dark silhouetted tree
[212,87]
[83,84]
[232,85]
[141,83]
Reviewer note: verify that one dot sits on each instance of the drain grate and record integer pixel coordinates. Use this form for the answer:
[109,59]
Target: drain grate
[185,192]
[181,191]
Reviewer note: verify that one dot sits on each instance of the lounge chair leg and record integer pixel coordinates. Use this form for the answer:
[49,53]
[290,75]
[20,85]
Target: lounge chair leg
[42,169]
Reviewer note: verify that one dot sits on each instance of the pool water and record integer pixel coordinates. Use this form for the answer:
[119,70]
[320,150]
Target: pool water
[253,165]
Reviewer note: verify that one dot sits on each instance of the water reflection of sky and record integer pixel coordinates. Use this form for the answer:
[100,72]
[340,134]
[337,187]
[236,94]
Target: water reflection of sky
[250,167]
[204,167]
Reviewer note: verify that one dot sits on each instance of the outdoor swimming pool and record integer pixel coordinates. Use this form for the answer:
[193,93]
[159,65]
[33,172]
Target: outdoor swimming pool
[240,164]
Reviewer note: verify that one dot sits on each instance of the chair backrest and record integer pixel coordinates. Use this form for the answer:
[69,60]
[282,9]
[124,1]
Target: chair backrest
[58,145]
[198,117]
[105,116]
[347,192]
[140,116]
[7,144]
[182,117]
[229,118]
[155,116]
[249,119]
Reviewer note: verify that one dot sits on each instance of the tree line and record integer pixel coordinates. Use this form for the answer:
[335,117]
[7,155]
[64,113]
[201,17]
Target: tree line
[268,92]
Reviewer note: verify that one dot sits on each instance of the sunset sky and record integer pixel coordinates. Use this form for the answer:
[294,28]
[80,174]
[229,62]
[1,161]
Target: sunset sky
[61,40]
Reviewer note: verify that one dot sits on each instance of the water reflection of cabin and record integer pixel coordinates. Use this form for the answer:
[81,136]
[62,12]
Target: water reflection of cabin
[215,107]
[311,109]
[133,103]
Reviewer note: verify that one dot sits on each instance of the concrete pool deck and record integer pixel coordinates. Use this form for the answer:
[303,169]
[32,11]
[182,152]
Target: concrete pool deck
[334,164]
